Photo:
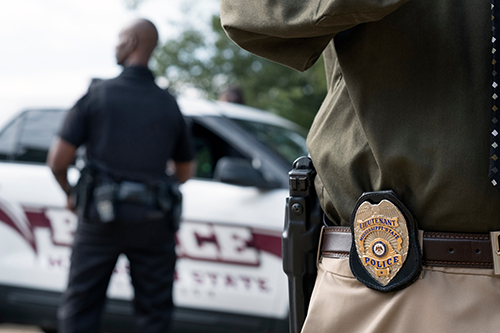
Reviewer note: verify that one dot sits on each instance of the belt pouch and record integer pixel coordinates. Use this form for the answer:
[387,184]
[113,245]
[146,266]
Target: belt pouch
[105,201]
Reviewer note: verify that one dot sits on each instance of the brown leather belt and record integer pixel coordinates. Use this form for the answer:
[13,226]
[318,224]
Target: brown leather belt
[439,248]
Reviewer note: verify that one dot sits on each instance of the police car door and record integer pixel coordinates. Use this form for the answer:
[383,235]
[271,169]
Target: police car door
[229,243]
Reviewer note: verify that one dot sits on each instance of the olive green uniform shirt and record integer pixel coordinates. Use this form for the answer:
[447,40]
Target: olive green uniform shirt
[408,105]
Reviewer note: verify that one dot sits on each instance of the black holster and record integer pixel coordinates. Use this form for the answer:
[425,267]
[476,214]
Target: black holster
[81,193]
[303,222]
[170,202]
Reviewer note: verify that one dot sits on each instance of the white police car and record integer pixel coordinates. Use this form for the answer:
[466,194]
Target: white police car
[228,277]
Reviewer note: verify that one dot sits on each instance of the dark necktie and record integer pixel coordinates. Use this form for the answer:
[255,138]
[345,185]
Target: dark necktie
[495,126]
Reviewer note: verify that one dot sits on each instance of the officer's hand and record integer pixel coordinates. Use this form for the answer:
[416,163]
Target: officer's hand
[69,205]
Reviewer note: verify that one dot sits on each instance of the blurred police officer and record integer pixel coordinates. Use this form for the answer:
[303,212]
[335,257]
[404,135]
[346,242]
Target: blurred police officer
[127,204]
[232,94]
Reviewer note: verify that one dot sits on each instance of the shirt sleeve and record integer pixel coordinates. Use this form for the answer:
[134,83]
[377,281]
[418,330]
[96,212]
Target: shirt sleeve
[76,125]
[295,32]
[183,150]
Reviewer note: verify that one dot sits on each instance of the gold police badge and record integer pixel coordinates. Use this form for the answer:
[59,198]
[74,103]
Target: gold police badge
[381,239]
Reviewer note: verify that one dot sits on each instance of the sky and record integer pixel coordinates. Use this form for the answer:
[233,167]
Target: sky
[51,49]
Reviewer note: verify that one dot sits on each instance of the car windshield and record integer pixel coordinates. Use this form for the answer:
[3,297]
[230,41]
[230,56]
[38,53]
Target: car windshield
[286,142]
[30,135]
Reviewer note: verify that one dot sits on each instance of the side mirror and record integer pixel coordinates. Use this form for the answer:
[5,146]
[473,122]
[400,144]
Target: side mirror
[239,171]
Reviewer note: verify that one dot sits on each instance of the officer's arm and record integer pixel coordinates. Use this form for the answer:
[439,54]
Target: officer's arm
[60,156]
[184,170]
[295,32]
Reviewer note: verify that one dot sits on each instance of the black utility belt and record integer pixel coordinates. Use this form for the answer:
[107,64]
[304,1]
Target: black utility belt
[128,192]
[384,245]
[107,195]
[164,196]
[134,192]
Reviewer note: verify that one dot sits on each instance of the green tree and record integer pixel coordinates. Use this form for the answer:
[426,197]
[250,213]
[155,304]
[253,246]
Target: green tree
[210,62]
[132,4]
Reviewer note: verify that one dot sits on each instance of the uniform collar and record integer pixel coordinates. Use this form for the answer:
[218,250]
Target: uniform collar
[137,72]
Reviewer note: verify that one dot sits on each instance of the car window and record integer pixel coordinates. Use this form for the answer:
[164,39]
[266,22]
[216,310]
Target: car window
[8,139]
[209,149]
[29,137]
[287,143]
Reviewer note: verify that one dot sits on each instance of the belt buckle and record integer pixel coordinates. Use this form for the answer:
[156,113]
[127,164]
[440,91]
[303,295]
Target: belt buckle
[495,249]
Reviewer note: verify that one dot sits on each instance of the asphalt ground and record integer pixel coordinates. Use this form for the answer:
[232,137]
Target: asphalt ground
[10,328]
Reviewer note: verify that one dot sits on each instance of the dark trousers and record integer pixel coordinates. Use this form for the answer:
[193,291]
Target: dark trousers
[150,249]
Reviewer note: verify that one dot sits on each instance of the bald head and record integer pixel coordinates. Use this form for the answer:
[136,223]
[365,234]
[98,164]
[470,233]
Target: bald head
[136,43]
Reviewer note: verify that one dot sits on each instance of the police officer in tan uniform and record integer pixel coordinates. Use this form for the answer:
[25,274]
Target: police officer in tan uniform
[407,119]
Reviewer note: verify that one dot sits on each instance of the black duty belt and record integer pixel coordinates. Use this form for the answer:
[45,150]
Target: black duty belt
[135,192]
[468,250]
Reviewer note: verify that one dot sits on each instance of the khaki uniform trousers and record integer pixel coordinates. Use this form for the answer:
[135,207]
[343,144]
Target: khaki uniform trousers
[442,300]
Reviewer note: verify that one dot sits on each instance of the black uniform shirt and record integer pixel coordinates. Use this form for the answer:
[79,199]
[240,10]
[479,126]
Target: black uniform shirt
[130,125]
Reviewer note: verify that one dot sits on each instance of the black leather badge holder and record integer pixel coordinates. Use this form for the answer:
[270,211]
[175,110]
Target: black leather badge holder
[385,253]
